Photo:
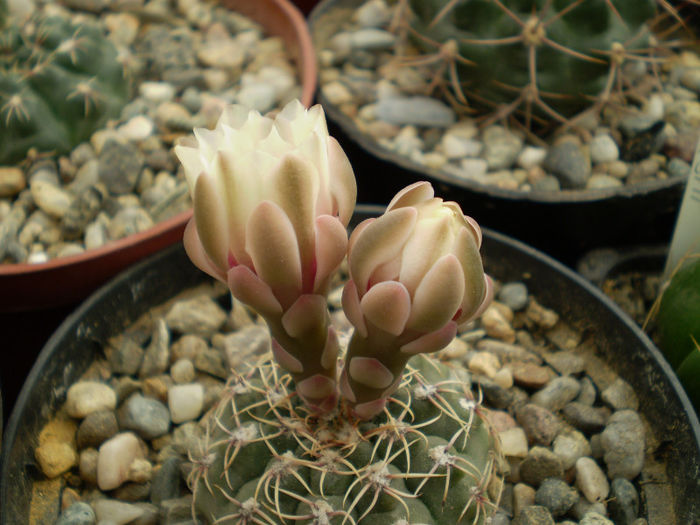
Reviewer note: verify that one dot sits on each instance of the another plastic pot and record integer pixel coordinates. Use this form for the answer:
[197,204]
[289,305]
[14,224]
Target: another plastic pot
[564,224]
[62,281]
[618,340]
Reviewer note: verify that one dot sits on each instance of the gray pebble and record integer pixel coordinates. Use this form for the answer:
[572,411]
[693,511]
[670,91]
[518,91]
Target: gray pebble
[594,518]
[585,417]
[540,464]
[211,362]
[570,164]
[623,443]
[416,111]
[535,515]
[372,39]
[620,395]
[604,149]
[119,166]
[199,315]
[547,183]
[623,505]
[79,513]
[126,358]
[501,147]
[539,424]
[569,446]
[166,481]
[558,392]
[678,167]
[146,416]
[96,428]
[557,496]
[514,295]
[157,356]
[587,395]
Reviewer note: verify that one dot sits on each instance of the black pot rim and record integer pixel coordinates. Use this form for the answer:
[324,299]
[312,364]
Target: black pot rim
[72,324]
[559,197]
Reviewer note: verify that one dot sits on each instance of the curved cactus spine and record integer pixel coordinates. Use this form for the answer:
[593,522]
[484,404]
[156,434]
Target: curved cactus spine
[428,459]
[545,59]
[59,82]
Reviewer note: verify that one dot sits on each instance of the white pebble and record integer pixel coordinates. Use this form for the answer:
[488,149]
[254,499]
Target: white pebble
[182,371]
[185,402]
[116,512]
[513,442]
[591,480]
[86,397]
[157,91]
[604,149]
[531,156]
[115,458]
[137,128]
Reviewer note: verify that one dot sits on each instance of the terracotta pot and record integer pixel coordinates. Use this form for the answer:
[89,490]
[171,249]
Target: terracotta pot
[62,281]
[565,224]
[674,497]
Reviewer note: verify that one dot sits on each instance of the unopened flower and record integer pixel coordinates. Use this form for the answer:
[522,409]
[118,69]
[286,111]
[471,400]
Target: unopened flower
[272,200]
[415,275]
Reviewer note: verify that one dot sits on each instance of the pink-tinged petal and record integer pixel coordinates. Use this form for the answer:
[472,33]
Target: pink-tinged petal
[438,296]
[248,288]
[272,245]
[304,314]
[196,253]
[343,186]
[387,305]
[345,389]
[316,386]
[357,231]
[370,409]
[331,246]
[431,239]
[467,252]
[370,372]
[379,242]
[476,230]
[393,386]
[329,357]
[285,359]
[210,218]
[411,195]
[294,185]
[433,341]
[486,301]
[323,405]
[352,308]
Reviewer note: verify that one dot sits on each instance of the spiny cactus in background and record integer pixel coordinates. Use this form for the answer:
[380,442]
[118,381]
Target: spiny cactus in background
[429,458]
[59,82]
[678,325]
[540,60]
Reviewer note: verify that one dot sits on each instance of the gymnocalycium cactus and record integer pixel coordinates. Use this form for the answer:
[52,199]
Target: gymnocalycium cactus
[272,201]
[59,82]
[558,57]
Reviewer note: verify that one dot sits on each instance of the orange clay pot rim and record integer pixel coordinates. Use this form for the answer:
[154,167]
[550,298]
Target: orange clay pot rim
[307,76]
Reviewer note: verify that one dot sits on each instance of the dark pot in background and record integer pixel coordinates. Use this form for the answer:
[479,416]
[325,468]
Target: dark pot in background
[620,343]
[564,224]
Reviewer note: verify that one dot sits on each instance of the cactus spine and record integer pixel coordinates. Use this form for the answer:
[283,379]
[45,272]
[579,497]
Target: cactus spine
[429,458]
[59,82]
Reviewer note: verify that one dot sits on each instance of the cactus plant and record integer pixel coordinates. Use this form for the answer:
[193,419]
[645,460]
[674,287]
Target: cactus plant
[59,82]
[555,57]
[428,459]
[678,325]
[272,200]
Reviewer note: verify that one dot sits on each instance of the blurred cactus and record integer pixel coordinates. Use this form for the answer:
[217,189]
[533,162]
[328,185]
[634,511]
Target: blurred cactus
[415,275]
[541,60]
[429,459]
[59,82]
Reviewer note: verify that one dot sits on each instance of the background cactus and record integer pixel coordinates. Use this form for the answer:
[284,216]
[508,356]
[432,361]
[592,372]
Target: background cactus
[548,55]
[429,458]
[59,82]
[678,326]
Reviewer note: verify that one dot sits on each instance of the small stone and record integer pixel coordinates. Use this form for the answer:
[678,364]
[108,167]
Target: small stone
[126,358]
[50,198]
[557,496]
[514,295]
[242,345]
[594,518]
[373,13]
[79,513]
[182,371]
[620,395]
[200,316]
[501,147]
[539,424]
[569,163]
[514,442]
[187,347]
[128,221]
[497,326]
[157,91]
[115,457]
[588,394]
[211,362]
[623,504]
[137,128]
[185,402]
[678,168]
[166,481]
[12,181]
[523,497]
[623,443]
[604,149]
[543,317]
[85,397]
[591,480]
[96,428]
[531,156]
[416,111]
[540,464]
[55,457]
[600,181]
[157,356]
[569,446]
[116,512]
[558,392]
[119,166]
[503,378]
[140,471]
[146,416]
[173,116]
[585,417]
[87,465]
[566,362]
[337,93]
[260,96]
[535,515]
[530,375]
[484,363]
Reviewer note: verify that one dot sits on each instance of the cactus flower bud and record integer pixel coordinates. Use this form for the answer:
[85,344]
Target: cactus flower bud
[415,275]
[272,200]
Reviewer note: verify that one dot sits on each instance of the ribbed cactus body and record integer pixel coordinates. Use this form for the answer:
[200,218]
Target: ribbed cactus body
[59,82]
[501,70]
[266,458]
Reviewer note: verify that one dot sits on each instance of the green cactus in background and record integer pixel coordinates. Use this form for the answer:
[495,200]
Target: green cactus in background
[556,57]
[59,82]
[678,326]
[429,458]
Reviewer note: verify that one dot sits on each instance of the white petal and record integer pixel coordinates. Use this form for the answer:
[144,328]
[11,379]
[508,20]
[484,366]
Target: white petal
[438,296]
[411,195]
[387,305]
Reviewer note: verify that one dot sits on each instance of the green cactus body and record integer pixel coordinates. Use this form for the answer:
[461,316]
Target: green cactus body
[59,82]
[678,326]
[428,459]
[549,28]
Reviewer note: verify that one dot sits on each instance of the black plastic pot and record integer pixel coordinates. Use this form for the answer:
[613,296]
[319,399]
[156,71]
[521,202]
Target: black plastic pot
[620,343]
[564,224]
